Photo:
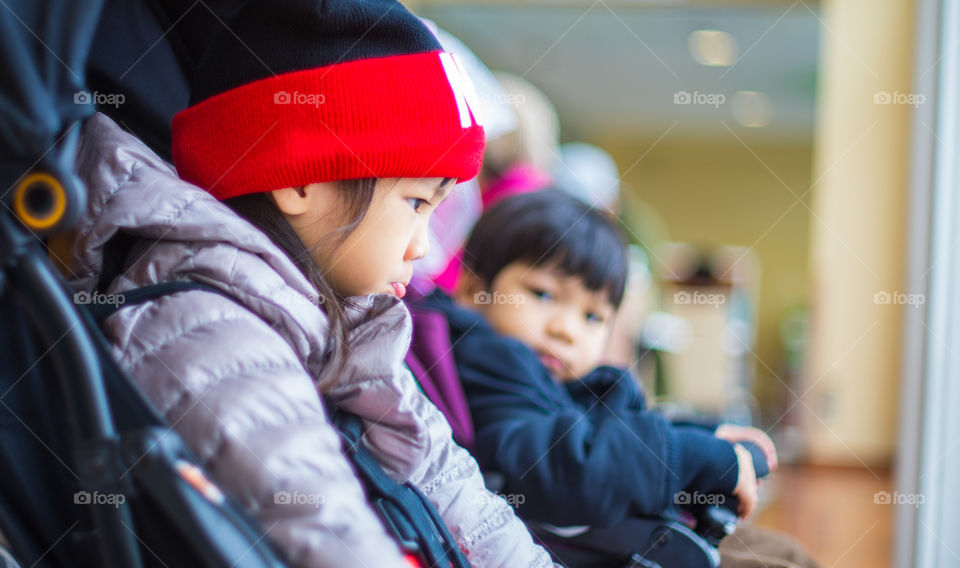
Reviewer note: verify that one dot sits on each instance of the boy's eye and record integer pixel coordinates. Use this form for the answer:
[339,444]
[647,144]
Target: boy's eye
[417,203]
[595,317]
[539,293]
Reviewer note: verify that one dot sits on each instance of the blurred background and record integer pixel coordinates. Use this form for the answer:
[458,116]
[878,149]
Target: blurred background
[758,154]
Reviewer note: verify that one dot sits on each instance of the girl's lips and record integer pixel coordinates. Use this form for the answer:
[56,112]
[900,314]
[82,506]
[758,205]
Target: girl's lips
[399,289]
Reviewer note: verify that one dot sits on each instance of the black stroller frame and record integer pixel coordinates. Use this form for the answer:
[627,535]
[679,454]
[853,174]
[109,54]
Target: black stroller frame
[29,279]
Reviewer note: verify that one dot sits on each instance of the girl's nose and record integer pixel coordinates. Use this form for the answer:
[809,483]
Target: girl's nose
[419,244]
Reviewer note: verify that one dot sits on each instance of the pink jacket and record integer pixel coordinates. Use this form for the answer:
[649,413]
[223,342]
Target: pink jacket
[236,382]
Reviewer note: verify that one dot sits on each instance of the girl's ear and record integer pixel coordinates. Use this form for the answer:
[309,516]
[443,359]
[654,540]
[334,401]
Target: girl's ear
[292,200]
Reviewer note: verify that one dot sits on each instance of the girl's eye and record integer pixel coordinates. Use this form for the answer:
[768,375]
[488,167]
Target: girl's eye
[417,203]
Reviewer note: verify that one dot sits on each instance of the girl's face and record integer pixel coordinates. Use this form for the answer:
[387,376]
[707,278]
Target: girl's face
[377,257]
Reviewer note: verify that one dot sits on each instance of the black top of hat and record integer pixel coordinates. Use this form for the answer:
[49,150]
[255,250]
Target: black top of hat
[271,37]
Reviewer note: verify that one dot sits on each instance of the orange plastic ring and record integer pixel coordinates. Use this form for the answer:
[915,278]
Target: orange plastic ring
[20,201]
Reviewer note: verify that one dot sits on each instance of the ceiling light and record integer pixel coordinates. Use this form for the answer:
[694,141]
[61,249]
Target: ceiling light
[713,48]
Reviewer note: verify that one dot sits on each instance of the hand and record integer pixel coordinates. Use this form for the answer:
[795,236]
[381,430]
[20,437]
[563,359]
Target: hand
[746,489]
[733,434]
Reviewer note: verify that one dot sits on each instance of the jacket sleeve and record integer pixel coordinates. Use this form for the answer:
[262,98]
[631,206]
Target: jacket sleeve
[588,455]
[237,394]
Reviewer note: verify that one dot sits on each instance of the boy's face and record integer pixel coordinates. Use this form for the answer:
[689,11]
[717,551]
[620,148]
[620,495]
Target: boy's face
[554,314]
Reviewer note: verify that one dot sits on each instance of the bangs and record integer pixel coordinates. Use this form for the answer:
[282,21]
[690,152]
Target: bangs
[550,228]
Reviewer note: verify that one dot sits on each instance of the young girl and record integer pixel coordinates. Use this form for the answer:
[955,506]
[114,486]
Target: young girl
[320,137]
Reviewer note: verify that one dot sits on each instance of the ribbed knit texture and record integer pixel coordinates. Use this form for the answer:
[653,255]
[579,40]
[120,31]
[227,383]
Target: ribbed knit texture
[371,118]
[304,91]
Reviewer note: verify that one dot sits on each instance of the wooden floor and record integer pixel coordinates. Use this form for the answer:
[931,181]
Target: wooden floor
[833,512]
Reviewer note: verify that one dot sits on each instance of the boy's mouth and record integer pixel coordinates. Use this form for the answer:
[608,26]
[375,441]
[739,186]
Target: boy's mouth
[399,288]
[552,363]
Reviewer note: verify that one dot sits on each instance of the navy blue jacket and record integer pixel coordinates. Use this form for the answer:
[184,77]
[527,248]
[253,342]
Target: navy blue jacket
[583,452]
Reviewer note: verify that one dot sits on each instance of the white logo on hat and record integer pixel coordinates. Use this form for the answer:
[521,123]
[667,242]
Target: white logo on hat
[463,91]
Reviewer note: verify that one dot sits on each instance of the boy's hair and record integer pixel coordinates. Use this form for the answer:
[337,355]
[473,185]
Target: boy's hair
[550,228]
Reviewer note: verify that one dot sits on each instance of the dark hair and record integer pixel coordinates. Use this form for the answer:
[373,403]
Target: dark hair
[550,227]
[260,210]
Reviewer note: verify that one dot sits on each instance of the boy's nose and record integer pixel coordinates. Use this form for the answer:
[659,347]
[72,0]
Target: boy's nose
[561,326]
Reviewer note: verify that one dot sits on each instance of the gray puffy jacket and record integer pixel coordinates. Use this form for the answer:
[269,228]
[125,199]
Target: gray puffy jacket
[236,382]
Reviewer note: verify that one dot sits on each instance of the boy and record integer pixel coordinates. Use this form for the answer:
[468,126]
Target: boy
[543,277]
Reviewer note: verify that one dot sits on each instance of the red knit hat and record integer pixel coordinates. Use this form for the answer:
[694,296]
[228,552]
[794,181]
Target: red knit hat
[304,91]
